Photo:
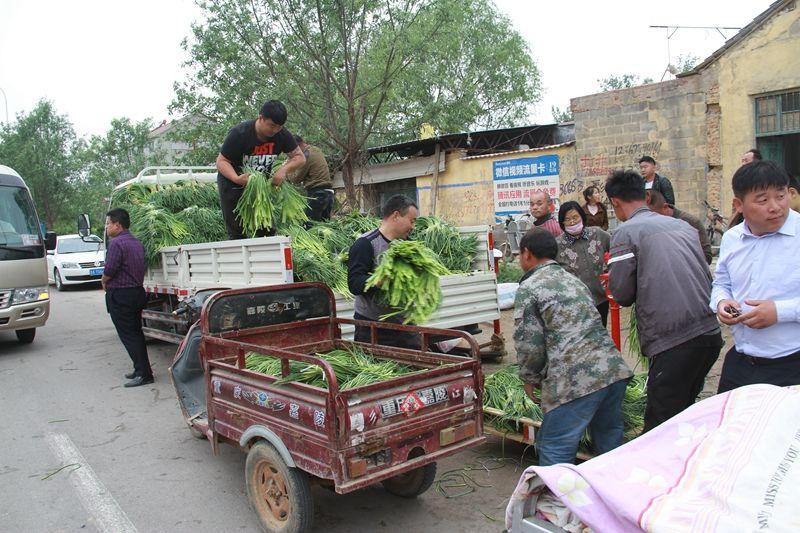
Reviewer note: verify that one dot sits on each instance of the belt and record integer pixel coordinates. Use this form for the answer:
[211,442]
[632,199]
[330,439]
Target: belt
[761,361]
[315,189]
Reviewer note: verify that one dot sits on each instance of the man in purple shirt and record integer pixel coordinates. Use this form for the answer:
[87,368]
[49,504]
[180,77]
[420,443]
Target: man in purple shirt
[122,280]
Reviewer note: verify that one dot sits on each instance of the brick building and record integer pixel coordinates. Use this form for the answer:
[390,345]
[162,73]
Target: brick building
[745,95]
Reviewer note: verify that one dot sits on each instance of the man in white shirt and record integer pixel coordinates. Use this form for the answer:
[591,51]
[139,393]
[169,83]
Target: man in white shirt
[757,284]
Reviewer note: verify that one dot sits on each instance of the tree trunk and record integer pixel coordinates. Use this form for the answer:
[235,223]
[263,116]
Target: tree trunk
[349,182]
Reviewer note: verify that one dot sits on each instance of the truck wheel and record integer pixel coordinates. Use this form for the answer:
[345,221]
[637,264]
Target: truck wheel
[25,336]
[411,484]
[280,495]
[57,280]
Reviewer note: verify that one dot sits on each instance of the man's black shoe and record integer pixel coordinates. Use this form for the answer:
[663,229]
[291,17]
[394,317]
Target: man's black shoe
[138,381]
[130,375]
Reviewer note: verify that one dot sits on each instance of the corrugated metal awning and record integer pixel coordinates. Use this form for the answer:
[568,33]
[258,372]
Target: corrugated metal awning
[526,151]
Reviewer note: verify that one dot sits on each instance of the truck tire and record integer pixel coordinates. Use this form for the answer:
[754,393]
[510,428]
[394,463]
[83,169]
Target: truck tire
[411,484]
[25,336]
[280,495]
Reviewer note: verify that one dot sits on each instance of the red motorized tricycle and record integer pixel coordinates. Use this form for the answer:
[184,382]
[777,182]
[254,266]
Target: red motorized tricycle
[391,431]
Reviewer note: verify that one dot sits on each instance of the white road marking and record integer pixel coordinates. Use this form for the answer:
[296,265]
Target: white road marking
[97,501]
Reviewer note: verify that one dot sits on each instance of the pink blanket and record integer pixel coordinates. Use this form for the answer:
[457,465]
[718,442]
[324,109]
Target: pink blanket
[728,463]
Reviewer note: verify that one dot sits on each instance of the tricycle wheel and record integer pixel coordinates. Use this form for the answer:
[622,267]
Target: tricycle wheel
[280,495]
[411,484]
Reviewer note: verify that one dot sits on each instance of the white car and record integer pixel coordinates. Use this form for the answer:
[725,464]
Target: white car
[76,260]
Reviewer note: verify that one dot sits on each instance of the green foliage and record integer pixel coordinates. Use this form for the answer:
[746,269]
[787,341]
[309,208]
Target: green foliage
[476,73]
[633,406]
[623,81]
[632,342]
[356,224]
[290,204]
[43,147]
[314,261]
[686,62]
[203,224]
[509,273]
[255,210]
[110,159]
[171,215]
[504,390]
[263,205]
[454,251]
[353,368]
[157,228]
[561,115]
[408,277]
[68,175]
[354,72]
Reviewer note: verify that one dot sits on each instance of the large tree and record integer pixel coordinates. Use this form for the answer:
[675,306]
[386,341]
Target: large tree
[42,147]
[111,159]
[355,71]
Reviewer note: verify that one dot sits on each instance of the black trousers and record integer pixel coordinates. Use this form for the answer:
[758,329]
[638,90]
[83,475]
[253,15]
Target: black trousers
[603,310]
[125,307]
[386,337]
[677,376]
[229,196]
[739,370]
[320,204]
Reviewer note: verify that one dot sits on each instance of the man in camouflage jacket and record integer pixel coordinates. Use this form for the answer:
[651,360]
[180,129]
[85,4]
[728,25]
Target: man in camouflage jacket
[563,349]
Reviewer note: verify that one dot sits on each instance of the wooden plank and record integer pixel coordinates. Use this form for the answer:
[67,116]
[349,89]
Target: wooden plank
[498,412]
[435,181]
[517,437]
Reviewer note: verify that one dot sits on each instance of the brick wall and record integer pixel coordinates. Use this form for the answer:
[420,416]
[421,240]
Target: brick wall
[670,121]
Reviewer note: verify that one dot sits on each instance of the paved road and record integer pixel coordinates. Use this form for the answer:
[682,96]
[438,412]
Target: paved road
[131,463]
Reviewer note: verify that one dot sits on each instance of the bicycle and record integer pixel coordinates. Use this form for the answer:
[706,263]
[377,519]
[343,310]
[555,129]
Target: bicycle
[716,224]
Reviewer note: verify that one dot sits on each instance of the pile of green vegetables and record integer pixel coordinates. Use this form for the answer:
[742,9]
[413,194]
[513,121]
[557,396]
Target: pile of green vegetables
[314,261]
[454,251]
[509,273]
[504,390]
[263,205]
[632,342]
[186,212]
[189,212]
[408,277]
[353,368]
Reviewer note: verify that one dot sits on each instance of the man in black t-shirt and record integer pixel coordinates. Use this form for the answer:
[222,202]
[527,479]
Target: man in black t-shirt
[254,144]
[399,214]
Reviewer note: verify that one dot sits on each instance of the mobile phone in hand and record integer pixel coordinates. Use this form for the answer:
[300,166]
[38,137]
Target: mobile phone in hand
[731,310]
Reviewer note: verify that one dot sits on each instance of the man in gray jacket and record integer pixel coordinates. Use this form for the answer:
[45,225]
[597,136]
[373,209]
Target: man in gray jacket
[657,263]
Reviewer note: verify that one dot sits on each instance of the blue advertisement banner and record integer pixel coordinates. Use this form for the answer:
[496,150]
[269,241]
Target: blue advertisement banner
[516,179]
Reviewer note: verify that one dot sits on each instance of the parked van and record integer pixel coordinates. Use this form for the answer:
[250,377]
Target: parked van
[24,296]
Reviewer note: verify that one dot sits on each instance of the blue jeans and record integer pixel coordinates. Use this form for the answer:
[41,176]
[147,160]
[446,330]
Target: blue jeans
[563,427]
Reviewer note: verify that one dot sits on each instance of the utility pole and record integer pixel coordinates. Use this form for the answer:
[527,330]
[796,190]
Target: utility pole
[5,98]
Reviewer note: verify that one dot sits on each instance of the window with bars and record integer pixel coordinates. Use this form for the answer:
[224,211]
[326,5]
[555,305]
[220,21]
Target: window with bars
[778,113]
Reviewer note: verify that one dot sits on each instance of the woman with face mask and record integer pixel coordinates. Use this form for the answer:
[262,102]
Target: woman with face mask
[581,251]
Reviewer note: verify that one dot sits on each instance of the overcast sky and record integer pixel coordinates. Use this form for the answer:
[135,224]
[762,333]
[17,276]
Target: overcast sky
[98,60]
